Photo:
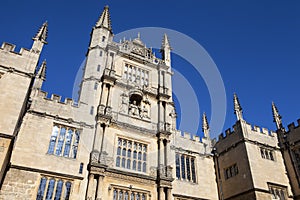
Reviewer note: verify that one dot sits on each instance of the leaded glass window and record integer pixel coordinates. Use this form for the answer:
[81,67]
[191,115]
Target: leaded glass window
[185,167]
[136,75]
[53,189]
[64,141]
[131,155]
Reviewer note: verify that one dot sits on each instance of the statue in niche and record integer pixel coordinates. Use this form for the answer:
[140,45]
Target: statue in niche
[134,109]
[124,103]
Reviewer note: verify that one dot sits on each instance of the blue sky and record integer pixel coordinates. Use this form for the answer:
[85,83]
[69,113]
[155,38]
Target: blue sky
[255,44]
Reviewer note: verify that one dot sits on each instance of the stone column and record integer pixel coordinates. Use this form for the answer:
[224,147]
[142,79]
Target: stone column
[161,193]
[98,138]
[99,188]
[167,153]
[161,152]
[90,189]
[109,96]
[103,95]
[169,194]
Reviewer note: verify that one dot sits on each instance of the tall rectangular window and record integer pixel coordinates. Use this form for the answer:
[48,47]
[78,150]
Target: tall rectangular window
[231,171]
[53,188]
[131,155]
[185,167]
[64,141]
[136,75]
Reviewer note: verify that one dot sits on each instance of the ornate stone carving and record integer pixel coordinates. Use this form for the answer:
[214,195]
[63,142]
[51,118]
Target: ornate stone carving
[94,156]
[124,103]
[153,171]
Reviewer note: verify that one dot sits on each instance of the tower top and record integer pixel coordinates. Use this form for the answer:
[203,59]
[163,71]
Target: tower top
[205,126]
[42,34]
[237,107]
[104,20]
[276,116]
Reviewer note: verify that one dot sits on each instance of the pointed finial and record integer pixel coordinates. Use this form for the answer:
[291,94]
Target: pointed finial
[237,108]
[42,34]
[104,20]
[205,126]
[139,35]
[42,71]
[276,116]
[165,42]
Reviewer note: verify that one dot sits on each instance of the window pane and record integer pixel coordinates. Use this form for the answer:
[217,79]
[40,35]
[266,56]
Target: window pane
[182,167]
[120,195]
[140,156]
[132,196]
[126,196]
[129,153]
[115,195]
[193,170]
[69,136]
[128,163]
[139,166]
[134,165]
[60,143]
[41,191]
[144,157]
[119,151]
[188,168]
[123,162]
[75,145]
[177,166]
[134,154]
[118,161]
[144,167]
[50,189]
[68,190]
[124,152]
[58,192]
[54,135]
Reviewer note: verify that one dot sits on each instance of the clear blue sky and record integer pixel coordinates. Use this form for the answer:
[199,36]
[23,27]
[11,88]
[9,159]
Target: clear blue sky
[255,44]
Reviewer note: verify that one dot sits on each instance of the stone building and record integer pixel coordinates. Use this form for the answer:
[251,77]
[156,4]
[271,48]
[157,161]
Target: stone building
[120,141]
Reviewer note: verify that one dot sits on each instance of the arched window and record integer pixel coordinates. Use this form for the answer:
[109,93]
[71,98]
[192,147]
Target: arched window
[98,68]
[120,195]
[123,162]
[139,166]
[134,154]
[103,38]
[124,152]
[144,167]
[118,161]
[128,163]
[129,153]
[119,151]
[134,165]
[139,156]
[144,157]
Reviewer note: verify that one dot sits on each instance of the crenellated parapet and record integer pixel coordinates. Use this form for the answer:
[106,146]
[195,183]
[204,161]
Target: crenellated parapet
[24,61]
[54,106]
[189,142]
[245,132]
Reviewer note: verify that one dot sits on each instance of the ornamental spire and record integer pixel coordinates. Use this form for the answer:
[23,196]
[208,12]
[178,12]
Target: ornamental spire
[104,20]
[42,71]
[276,116]
[166,50]
[42,34]
[238,111]
[205,126]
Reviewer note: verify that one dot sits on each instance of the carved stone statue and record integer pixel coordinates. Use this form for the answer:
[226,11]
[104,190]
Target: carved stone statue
[134,109]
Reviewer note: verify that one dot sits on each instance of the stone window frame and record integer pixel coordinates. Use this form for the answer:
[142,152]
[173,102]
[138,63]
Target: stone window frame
[132,193]
[57,140]
[278,192]
[182,162]
[231,171]
[267,154]
[129,157]
[43,188]
[138,76]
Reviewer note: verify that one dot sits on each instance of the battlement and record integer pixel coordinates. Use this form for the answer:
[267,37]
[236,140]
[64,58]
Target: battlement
[188,136]
[57,98]
[292,125]
[8,47]
[236,131]
[262,130]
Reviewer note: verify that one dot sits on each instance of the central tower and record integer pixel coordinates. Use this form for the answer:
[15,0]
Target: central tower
[129,93]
